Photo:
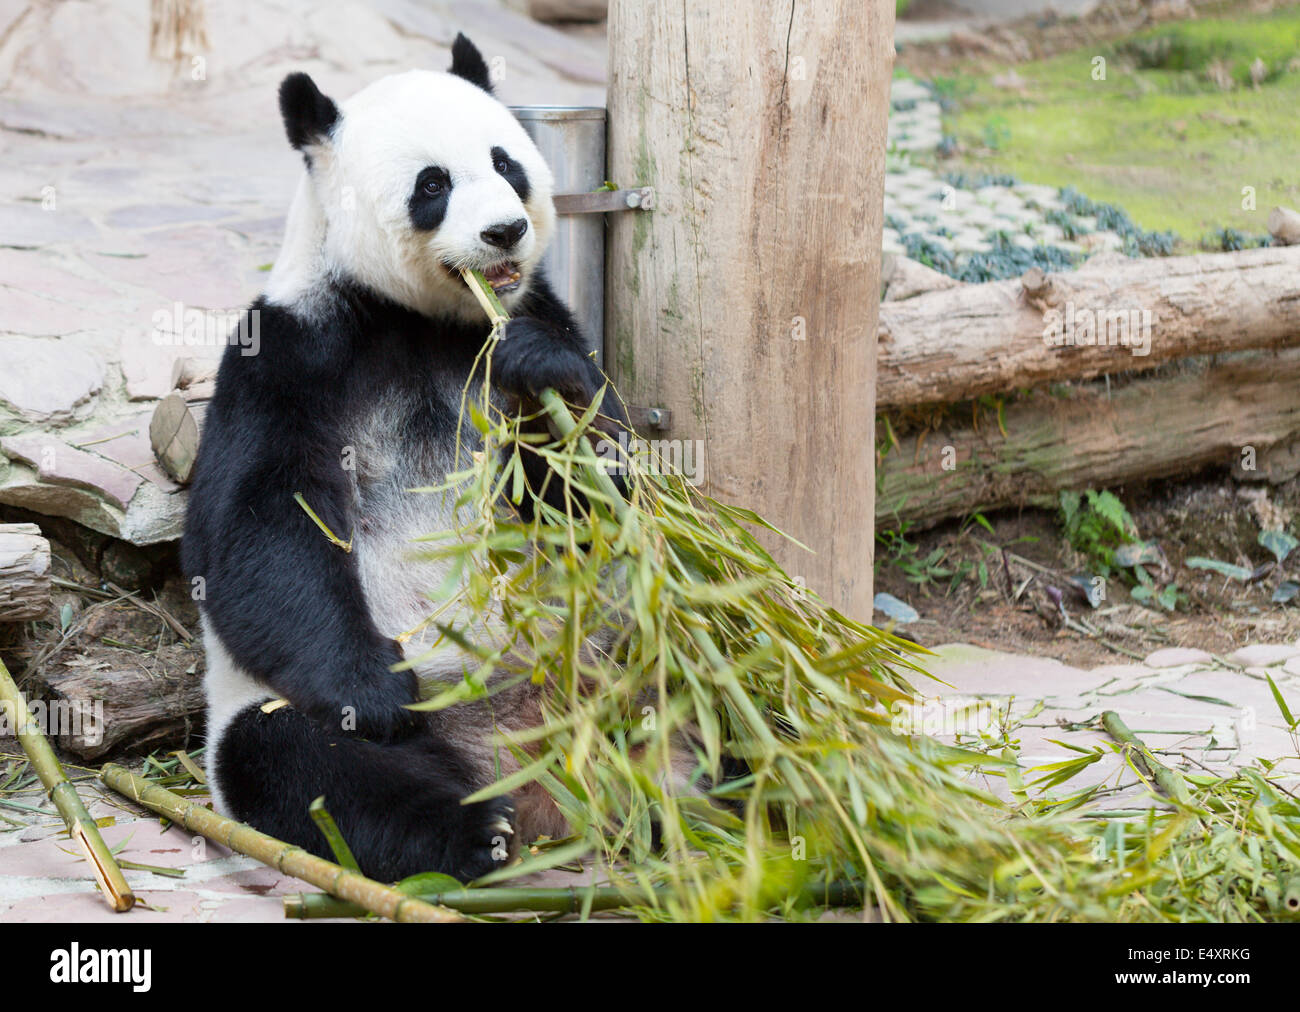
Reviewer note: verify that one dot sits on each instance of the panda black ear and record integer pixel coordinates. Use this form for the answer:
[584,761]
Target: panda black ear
[308,115]
[468,62]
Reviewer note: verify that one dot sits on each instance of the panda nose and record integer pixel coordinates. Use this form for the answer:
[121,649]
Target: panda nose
[505,234]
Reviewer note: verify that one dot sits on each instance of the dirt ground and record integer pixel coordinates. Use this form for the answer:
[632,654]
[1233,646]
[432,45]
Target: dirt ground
[1027,557]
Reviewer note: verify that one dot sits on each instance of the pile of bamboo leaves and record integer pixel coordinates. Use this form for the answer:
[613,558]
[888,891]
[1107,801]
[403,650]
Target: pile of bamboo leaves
[658,623]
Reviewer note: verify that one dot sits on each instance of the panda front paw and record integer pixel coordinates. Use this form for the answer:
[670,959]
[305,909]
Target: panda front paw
[486,840]
[530,357]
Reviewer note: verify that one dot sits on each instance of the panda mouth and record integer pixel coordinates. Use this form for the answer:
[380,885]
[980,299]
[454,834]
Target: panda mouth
[503,277]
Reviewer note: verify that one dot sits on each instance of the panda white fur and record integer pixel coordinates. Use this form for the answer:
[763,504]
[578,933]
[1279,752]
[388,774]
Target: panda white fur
[367,338]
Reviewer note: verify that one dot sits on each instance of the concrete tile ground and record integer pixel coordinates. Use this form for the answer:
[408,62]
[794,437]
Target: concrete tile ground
[1198,715]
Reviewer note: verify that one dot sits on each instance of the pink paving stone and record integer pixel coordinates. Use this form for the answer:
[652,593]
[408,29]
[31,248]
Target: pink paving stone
[1172,657]
[974,669]
[47,381]
[1263,654]
[126,442]
[194,265]
[25,312]
[59,464]
[182,906]
[44,274]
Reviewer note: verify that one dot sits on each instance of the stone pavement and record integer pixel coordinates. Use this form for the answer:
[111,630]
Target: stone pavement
[1192,710]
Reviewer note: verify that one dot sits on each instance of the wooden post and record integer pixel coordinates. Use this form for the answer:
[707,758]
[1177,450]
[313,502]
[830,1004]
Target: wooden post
[746,301]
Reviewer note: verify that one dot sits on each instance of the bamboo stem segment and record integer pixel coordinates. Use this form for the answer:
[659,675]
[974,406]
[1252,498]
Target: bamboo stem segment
[368,895]
[1169,782]
[307,906]
[112,883]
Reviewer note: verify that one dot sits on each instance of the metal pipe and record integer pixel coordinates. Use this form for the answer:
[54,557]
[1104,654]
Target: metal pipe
[572,140]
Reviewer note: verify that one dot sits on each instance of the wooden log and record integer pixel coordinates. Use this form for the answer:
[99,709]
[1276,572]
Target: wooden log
[101,706]
[745,302]
[1231,413]
[951,345]
[24,572]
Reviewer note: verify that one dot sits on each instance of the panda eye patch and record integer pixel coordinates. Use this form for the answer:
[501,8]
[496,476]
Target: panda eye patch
[511,171]
[428,202]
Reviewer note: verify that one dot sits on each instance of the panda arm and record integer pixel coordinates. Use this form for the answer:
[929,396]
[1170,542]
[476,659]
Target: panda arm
[285,601]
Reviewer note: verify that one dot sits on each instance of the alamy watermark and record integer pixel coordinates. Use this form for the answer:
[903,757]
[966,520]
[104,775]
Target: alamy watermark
[1128,328]
[58,718]
[684,457]
[186,326]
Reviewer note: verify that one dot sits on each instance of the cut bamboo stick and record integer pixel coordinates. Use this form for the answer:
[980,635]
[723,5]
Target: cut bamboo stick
[572,900]
[112,883]
[369,895]
[1169,782]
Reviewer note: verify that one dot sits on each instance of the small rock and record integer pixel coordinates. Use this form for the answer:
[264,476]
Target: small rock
[1284,225]
[1172,657]
[1263,654]
[891,607]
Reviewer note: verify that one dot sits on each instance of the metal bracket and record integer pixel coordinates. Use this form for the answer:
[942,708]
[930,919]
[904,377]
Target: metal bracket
[599,201]
[645,419]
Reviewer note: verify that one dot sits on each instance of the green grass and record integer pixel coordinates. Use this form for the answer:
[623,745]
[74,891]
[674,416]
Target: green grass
[1156,136]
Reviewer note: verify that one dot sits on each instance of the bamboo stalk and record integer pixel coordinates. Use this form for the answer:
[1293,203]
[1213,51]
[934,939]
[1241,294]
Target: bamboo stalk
[369,896]
[305,906]
[572,900]
[112,883]
[1169,782]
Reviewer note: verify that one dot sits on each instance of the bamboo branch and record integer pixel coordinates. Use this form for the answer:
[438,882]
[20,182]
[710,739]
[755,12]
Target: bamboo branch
[368,895]
[306,906]
[82,828]
[1169,782]
[572,900]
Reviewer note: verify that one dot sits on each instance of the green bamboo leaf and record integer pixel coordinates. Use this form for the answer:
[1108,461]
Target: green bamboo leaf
[338,846]
[1281,703]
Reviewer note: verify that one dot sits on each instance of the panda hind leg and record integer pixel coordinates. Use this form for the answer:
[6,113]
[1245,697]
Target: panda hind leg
[397,805]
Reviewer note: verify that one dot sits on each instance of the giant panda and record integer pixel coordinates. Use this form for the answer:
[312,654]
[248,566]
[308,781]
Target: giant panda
[367,338]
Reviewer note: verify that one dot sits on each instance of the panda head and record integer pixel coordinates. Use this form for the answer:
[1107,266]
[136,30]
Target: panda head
[411,179]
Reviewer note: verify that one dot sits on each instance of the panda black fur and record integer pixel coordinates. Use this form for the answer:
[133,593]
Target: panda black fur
[367,338]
